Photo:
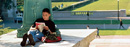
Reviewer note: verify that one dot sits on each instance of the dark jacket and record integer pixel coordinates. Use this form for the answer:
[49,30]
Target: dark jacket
[48,23]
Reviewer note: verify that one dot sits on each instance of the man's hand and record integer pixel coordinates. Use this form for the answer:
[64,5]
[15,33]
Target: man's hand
[46,27]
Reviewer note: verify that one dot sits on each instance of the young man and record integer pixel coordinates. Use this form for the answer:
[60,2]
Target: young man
[87,27]
[98,33]
[121,24]
[34,34]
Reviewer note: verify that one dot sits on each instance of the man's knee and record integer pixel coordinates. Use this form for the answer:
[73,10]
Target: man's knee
[32,32]
[39,35]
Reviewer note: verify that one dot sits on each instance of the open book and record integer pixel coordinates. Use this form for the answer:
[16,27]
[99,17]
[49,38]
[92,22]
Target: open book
[40,26]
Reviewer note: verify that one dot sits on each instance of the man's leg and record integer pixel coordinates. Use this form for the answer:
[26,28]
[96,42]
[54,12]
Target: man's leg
[32,37]
[33,32]
[23,43]
[120,27]
[98,35]
[38,36]
[123,27]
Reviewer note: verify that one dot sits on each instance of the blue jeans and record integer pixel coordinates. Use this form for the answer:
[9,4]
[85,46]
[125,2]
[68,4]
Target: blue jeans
[37,35]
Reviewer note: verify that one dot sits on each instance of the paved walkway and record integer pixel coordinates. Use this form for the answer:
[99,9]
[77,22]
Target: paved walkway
[11,24]
[10,40]
[111,41]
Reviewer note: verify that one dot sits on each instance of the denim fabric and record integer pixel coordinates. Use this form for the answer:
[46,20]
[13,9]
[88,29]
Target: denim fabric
[37,35]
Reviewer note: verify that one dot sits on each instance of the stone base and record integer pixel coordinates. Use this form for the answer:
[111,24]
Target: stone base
[22,31]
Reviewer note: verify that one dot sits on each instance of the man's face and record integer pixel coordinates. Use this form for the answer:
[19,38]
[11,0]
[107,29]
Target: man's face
[45,15]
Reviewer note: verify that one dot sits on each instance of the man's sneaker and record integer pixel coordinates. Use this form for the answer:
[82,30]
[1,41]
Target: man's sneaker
[31,39]
[23,43]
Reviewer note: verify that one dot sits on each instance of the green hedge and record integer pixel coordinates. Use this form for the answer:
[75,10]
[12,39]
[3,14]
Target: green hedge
[90,21]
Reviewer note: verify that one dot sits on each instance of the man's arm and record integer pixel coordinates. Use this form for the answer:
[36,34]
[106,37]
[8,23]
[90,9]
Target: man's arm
[47,28]
[50,27]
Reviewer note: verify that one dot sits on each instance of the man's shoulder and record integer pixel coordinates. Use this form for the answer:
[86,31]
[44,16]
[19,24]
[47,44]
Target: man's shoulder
[51,21]
[40,19]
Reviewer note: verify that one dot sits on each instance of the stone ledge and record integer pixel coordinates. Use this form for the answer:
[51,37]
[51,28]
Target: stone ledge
[73,38]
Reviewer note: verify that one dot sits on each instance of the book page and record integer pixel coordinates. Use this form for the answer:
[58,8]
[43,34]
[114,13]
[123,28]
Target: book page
[40,26]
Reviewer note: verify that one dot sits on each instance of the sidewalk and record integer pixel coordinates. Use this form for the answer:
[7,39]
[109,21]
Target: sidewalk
[10,40]
[111,41]
[12,24]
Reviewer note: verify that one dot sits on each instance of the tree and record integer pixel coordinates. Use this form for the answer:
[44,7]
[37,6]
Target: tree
[5,4]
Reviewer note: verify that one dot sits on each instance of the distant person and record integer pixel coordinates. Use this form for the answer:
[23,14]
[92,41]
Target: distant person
[62,5]
[88,14]
[98,33]
[121,24]
[87,27]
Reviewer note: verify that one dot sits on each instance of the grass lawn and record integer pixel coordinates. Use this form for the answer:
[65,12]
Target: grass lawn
[6,30]
[106,5]
[53,4]
[115,32]
[64,3]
